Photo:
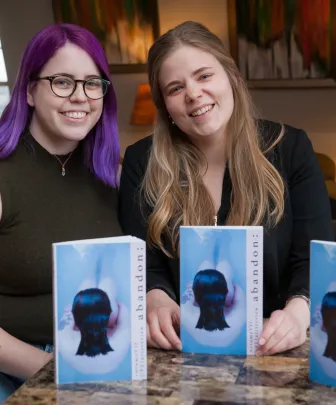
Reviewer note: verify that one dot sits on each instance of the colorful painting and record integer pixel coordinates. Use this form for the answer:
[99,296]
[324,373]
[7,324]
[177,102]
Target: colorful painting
[287,41]
[125,28]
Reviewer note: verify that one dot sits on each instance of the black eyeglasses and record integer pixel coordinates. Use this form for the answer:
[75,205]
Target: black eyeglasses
[65,86]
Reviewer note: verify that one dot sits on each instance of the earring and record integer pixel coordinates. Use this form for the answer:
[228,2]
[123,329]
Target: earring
[172,122]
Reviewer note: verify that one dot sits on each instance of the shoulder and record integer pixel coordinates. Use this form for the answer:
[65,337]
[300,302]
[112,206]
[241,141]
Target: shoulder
[137,155]
[9,176]
[18,157]
[270,132]
[10,168]
[140,148]
[14,166]
[293,143]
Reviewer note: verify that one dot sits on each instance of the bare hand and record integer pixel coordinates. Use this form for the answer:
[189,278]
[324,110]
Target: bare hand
[285,329]
[163,320]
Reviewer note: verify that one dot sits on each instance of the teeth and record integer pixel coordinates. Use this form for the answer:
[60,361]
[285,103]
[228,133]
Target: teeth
[77,115]
[201,111]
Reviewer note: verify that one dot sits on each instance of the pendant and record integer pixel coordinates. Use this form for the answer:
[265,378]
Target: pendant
[63,171]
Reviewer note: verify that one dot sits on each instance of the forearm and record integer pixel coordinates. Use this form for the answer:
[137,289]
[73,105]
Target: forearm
[299,279]
[160,281]
[20,359]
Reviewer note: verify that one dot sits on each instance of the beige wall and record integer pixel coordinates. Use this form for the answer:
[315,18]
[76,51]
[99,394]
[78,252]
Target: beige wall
[312,110]
[19,21]
[211,13]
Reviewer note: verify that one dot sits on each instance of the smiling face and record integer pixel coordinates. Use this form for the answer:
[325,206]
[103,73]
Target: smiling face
[197,92]
[64,121]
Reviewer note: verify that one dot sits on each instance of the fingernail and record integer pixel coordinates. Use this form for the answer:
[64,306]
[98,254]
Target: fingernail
[179,346]
[258,353]
[262,341]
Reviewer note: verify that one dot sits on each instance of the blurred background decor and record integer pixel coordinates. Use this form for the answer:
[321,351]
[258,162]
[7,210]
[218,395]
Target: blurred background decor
[284,43]
[125,28]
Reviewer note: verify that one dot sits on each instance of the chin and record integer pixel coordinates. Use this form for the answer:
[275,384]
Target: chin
[215,131]
[75,136]
[211,132]
[206,130]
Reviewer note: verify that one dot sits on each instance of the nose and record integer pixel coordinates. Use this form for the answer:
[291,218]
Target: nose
[79,95]
[193,92]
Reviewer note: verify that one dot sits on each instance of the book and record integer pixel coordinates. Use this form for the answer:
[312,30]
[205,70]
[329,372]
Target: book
[322,367]
[221,289]
[99,297]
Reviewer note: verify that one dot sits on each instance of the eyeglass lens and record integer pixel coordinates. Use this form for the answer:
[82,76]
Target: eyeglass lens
[94,88]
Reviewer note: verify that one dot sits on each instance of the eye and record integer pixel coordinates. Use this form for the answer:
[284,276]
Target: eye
[94,83]
[63,82]
[175,89]
[205,76]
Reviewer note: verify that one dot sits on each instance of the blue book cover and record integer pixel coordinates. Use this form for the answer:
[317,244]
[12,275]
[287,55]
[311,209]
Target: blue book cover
[221,289]
[323,312]
[99,290]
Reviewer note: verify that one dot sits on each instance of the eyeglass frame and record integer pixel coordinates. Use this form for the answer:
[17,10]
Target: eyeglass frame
[51,79]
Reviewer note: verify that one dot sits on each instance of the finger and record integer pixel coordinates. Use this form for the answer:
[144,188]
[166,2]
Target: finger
[293,339]
[170,333]
[150,342]
[271,326]
[155,331]
[286,343]
[279,334]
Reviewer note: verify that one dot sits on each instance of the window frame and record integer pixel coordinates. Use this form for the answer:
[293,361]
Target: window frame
[4,83]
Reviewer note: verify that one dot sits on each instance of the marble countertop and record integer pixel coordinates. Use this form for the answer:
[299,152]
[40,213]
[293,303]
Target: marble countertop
[192,379]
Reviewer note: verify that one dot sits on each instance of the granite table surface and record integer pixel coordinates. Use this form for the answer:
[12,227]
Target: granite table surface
[191,379]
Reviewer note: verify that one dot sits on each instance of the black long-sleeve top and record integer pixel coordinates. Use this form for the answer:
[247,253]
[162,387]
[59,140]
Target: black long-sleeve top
[40,207]
[306,217]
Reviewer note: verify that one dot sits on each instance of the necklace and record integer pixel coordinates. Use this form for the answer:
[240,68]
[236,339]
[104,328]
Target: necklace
[63,163]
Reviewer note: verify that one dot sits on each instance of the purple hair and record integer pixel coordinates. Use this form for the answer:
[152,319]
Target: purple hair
[101,145]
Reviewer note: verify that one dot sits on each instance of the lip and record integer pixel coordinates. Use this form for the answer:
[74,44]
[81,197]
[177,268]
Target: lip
[75,120]
[199,108]
[73,111]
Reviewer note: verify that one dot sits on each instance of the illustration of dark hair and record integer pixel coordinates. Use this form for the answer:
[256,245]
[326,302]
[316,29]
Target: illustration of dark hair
[210,291]
[328,312]
[91,310]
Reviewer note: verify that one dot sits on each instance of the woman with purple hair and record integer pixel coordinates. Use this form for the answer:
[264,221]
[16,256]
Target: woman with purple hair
[59,159]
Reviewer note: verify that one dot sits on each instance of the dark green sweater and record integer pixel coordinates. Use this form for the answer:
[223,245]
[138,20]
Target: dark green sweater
[40,207]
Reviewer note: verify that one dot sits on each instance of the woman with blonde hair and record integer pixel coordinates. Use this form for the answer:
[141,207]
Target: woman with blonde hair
[211,161]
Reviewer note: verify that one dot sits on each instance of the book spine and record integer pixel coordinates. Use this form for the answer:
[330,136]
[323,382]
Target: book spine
[138,310]
[254,288]
[55,310]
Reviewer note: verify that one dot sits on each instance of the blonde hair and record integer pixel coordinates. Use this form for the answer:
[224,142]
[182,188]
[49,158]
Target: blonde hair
[173,187]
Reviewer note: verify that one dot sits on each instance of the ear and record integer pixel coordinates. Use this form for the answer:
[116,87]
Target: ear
[30,97]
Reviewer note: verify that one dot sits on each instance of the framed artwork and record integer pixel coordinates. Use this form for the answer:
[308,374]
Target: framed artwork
[125,28]
[284,43]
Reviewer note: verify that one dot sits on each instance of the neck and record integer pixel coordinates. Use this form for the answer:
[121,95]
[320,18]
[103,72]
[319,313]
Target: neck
[213,148]
[51,143]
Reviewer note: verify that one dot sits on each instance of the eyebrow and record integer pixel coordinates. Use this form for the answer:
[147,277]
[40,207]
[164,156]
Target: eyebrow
[72,76]
[193,74]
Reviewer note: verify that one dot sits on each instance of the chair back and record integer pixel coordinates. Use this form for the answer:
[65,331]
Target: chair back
[327,165]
